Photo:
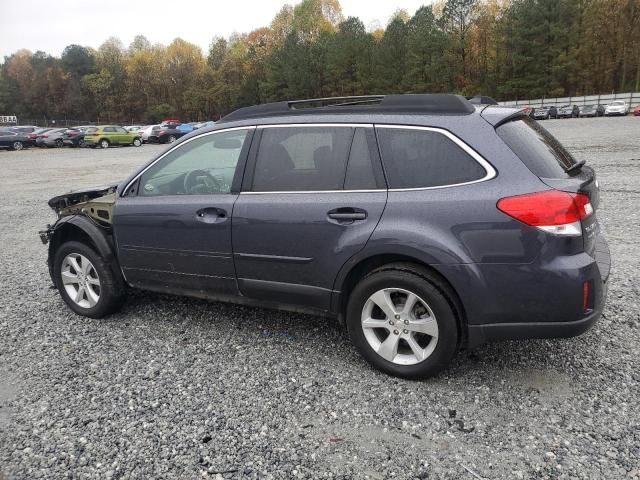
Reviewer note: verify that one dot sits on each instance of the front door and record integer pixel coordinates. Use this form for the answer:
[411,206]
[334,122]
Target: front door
[312,196]
[173,224]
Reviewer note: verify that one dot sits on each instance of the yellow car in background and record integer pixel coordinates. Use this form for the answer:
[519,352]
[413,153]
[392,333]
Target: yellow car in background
[107,135]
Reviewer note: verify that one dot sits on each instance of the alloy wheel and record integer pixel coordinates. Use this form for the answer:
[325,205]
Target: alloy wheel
[399,326]
[18,146]
[80,280]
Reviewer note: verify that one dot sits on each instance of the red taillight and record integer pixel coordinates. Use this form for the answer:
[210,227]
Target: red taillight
[161,132]
[552,211]
[45,136]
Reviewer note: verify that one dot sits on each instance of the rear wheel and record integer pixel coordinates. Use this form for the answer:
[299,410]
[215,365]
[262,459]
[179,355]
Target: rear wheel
[80,143]
[402,323]
[104,143]
[17,146]
[171,139]
[86,283]
[59,143]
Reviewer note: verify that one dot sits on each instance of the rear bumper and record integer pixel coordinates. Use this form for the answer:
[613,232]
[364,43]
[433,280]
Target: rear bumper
[479,334]
[543,301]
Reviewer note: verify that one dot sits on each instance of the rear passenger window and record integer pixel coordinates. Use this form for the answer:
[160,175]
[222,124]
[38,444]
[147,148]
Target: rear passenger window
[302,159]
[415,158]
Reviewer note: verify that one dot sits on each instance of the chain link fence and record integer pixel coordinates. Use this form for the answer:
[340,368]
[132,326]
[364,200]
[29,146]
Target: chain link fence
[632,99]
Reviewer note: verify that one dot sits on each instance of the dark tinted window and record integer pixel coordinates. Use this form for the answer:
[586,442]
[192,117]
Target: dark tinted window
[536,147]
[415,158]
[360,172]
[302,159]
[109,129]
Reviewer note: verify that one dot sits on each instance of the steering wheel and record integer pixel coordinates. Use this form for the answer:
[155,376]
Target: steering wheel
[200,182]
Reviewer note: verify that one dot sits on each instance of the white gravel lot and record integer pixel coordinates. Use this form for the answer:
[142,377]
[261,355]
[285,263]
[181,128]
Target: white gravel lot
[180,388]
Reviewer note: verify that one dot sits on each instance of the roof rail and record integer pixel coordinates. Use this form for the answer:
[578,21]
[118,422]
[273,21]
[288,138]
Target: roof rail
[417,104]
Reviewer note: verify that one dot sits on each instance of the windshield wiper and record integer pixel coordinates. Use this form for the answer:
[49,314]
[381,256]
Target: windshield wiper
[575,166]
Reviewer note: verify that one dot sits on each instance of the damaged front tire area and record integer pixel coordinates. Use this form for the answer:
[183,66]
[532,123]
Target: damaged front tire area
[83,267]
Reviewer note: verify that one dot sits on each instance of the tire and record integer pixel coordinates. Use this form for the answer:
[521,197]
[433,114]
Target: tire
[171,139]
[104,143]
[110,289]
[137,142]
[80,143]
[59,143]
[17,146]
[431,307]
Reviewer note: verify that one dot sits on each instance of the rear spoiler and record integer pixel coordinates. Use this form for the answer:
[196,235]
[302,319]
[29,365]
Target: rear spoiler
[498,115]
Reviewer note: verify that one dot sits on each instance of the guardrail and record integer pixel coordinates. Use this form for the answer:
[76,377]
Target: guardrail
[632,99]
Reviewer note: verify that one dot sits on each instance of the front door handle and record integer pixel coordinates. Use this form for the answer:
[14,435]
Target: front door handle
[211,215]
[347,215]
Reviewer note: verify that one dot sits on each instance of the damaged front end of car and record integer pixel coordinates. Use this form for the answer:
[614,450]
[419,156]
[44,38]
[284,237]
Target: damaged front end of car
[96,204]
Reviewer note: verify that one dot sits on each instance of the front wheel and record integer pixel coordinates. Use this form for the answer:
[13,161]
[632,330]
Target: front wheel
[86,283]
[402,323]
[171,139]
[137,142]
[59,143]
[17,146]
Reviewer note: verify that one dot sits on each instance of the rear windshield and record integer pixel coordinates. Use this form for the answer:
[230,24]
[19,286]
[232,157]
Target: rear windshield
[536,147]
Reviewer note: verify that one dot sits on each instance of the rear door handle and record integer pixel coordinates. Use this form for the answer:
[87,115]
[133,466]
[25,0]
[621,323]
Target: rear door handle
[211,215]
[347,214]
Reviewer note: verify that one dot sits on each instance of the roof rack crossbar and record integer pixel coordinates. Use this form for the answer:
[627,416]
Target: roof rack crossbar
[331,100]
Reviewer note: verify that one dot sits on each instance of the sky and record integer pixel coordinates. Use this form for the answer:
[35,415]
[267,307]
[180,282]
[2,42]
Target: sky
[51,26]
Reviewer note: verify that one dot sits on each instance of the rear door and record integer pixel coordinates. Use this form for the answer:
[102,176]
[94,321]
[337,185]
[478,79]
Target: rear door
[173,223]
[311,198]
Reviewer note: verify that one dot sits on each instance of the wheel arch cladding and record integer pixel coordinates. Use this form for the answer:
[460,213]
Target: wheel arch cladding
[82,229]
[354,271]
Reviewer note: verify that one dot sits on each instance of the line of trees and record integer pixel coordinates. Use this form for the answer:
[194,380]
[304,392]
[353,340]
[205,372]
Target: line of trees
[503,48]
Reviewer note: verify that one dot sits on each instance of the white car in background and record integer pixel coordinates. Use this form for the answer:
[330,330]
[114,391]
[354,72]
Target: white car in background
[146,131]
[617,107]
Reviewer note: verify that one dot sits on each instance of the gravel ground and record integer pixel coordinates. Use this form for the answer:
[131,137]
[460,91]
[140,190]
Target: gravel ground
[180,388]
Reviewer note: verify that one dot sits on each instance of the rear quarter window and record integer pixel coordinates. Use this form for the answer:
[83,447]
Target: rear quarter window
[536,147]
[416,158]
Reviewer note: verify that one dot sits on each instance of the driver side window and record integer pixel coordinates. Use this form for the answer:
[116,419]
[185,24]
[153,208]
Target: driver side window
[202,166]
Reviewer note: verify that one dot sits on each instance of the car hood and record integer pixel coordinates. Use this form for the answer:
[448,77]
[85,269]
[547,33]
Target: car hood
[73,201]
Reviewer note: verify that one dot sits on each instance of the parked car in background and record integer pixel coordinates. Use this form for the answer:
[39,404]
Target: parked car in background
[146,132]
[545,112]
[34,135]
[51,138]
[171,121]
[617,107]
[568,111]
[592,110]
[185,127]
[108,135]
[318,214]
[74,137]
[209,123]
[167,133]
[133,128]
[24,129]
[636,111]
[14,140]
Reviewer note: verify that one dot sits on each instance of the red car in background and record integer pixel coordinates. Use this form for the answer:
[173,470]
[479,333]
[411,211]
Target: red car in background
[636,111]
